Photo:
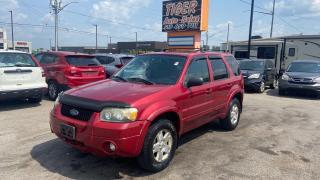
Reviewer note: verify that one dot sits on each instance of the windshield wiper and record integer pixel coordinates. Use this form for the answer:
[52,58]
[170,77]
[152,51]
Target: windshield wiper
[141,80]
[119,78]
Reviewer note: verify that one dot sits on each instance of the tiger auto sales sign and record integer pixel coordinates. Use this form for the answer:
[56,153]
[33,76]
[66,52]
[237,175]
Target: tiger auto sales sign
[182,15]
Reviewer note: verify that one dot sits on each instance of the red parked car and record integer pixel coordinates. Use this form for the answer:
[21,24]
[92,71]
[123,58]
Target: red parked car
[66,70]
[146,106]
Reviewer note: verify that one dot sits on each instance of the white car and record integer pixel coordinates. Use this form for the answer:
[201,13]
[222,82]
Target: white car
[21,77]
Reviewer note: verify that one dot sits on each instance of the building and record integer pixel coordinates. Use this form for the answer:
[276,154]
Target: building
[3,39]
[142,46]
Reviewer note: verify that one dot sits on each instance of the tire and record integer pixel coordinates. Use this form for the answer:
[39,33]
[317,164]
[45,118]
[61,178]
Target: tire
[35,100]
[149,158]
[274,85]
[262,87]
[53,90]
[234,111]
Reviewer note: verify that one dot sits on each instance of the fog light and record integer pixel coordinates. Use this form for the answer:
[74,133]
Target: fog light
[112,147]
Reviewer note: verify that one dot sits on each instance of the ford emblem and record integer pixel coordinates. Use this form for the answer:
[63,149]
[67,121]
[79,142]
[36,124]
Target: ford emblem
[74,112]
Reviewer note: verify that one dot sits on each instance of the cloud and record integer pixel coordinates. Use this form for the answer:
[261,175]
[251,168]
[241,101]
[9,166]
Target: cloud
[8,5]
[296,8]
[118,10]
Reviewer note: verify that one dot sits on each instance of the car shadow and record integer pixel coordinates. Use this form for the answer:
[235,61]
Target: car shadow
[295,95]
[10,105]
[58,157]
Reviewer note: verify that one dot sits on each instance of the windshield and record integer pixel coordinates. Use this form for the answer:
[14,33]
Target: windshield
[153,69]
[82,61]
[252,65]
[305,67]
[16,60]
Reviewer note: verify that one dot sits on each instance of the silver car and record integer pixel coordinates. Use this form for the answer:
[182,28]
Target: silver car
[301,76]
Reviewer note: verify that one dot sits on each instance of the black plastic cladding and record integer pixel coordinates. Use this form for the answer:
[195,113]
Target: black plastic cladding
[90,104]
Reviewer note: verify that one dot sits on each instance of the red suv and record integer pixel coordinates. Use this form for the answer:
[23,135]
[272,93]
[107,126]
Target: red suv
[146,106]
[66,70]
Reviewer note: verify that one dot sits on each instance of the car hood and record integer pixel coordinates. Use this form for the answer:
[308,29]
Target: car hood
[303,75]
[110,90]
[250,72]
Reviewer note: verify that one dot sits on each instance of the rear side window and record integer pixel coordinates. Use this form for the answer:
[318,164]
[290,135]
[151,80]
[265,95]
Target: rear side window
[16,60]
[105,59]
[234,65]
[82,61]
[199,69]
[125,60]
[219,68]
[49,59]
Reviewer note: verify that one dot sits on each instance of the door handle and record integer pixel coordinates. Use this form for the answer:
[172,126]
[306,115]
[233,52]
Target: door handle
[208,91]
[229,84]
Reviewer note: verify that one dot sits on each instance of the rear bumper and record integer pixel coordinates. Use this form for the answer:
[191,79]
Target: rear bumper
[293,87]
[94,136]
[25,93]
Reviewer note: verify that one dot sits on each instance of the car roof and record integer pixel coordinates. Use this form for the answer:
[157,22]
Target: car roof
[306,61]
[114,55]
[12,51]
[189,54]
[68,53]
[262,60]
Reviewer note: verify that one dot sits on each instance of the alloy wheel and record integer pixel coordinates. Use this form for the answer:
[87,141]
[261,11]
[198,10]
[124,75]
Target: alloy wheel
[234,114]
[162,145]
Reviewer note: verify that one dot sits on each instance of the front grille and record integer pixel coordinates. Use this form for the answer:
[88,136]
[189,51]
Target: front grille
[302,81]
[76,113]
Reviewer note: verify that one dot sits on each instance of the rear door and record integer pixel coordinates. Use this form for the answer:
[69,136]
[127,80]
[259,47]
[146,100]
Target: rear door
[18,71]
[222,82]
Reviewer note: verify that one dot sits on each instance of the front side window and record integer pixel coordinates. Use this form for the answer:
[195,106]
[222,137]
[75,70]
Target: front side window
[16,60]
[219,68]
[234,65]
[199,69]
[304,67]
[153,69]
[82,61]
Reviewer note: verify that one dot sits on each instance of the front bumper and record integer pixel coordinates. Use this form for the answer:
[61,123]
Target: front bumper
[297,87]
[252,84]
[25,93]
[95,136]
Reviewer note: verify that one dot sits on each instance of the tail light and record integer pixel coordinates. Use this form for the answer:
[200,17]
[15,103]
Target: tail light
[102,71]
[72,71]
[43,73]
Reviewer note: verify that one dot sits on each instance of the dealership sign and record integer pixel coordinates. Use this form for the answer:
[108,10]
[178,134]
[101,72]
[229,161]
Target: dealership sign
[184,15]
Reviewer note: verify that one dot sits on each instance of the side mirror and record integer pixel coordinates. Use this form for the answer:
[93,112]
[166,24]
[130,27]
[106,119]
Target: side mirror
[269,69]
[194,81]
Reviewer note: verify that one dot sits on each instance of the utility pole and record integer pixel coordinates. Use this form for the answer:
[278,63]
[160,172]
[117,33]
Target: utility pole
[207,40]
[12,36]
[110,38]
[228,34]
[250,28]
[96,25]
[272,21]
[136,43]
[50,44]
[57,7]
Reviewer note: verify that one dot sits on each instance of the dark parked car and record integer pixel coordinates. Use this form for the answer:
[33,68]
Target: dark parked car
[143,112]
[113,62]
[258,74]
[301,76]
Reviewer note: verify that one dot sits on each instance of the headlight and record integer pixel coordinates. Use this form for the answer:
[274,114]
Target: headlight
[285,77]
[57,101]
[317,80]
[254,76]
[119,114]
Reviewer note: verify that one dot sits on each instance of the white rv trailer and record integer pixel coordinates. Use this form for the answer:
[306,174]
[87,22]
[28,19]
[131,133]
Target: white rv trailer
[282,50]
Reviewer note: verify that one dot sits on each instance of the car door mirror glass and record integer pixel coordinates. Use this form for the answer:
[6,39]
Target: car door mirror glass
[194,81]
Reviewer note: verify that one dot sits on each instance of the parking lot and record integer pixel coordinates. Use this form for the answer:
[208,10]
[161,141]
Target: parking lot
[278,138]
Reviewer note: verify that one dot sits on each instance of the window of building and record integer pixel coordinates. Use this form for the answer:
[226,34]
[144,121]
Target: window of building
[199,69]
[219,68]
[266,53]
[292,52]
[241,54]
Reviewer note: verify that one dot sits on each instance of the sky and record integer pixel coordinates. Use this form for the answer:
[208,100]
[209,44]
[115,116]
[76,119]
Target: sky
[120,19]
